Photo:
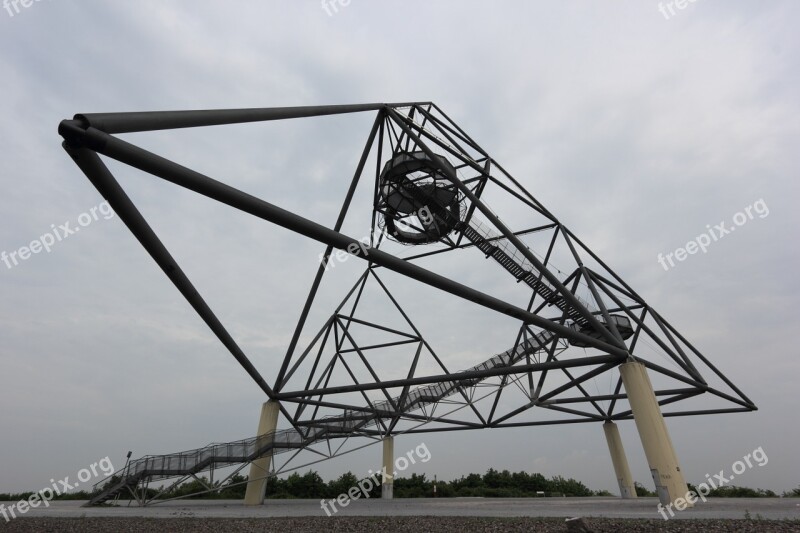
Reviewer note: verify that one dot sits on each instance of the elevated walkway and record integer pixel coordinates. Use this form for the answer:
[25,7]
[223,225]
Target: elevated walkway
[157,467]
[350,421]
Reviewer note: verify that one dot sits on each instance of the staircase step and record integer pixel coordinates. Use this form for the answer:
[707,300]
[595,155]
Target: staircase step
[418,397]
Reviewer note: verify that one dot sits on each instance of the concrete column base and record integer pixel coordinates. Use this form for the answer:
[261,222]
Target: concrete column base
[627,489]
[667,476]
[387,488]
[259,469]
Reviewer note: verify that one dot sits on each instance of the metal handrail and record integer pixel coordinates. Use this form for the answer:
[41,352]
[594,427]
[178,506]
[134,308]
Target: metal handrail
[165,466]
[484,229]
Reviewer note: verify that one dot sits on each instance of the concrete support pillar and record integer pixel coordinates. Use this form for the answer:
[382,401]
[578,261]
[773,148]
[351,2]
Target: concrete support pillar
[621,469]
[661,457]
[259,469]
[387,489]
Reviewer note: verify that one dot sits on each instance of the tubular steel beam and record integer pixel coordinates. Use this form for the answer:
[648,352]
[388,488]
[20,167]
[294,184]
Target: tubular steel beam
[702,386]
[165,120]
[485,211]
[192,180]
[326,256]
[471,245]
[712,411]
[91,165]
[506,425]
[706,361]
[606,397]
[609,360]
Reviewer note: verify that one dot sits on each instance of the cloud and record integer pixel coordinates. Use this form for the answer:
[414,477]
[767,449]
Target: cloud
[634,130]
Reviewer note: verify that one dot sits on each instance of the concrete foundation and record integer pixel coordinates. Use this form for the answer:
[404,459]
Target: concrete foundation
[259,469]
[667,476]
[627,490]
[387,488]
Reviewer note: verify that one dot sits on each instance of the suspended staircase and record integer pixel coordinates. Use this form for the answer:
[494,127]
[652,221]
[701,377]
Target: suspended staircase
[445,218]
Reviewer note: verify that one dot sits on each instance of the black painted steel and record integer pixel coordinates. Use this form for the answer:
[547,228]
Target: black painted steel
[165,120]
[420,200]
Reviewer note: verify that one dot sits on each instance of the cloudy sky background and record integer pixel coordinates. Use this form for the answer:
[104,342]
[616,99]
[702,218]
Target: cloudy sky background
[635,130]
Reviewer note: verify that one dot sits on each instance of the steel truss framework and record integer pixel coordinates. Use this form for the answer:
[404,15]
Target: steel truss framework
[580,322]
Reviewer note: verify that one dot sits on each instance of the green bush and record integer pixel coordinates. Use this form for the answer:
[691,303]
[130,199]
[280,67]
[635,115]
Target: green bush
[492,484]
[642,491]
[794,493]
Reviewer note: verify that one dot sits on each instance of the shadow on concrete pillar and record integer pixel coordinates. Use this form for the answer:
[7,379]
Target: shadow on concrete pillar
[259,469]
[621,469]
[667,476]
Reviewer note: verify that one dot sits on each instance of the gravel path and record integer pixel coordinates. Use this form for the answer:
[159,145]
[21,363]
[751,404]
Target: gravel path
[383,524]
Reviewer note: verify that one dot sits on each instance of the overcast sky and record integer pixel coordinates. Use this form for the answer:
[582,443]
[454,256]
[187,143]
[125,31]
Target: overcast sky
[637,128]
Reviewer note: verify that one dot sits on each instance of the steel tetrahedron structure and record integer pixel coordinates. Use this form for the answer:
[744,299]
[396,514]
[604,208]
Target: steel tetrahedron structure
[435,222]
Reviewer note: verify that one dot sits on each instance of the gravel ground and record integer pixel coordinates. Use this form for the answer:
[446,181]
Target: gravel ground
[383,524]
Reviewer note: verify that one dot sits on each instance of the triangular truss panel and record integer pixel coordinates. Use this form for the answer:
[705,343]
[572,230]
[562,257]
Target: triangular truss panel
[447,217]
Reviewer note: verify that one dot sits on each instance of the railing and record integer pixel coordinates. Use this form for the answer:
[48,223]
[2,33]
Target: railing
[499,241]
[246,450]
[618,320]
[155,467]
[436,391]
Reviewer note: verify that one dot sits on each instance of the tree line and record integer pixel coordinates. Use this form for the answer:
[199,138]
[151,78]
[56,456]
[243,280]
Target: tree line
[492,484]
